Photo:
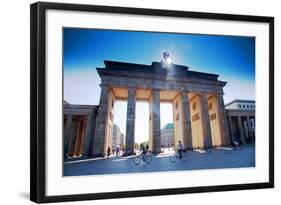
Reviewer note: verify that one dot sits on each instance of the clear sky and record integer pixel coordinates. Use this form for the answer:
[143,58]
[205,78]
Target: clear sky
[232,57]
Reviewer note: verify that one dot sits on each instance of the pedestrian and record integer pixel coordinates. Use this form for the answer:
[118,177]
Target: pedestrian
[117,151]
[206,145]
[108,151]
[180,149]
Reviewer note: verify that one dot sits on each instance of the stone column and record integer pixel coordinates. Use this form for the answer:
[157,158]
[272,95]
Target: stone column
[72,141]
[67,134]
[79,128]
[207,134]
[249,129]
[246,129]
[231,128]
[93,124]
[87,138]
[156,132]
[130,126]
[187,138]
[101,121]
[241,130]
[223,121]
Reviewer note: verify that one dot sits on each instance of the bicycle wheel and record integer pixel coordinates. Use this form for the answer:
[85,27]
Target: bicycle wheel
[148,159]
[137,160]
[173,158]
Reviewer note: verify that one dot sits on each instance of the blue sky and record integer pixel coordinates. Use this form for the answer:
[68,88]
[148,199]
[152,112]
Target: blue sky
[233,58]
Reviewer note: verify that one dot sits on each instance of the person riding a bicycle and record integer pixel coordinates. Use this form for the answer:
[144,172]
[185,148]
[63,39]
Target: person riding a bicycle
[143,150]
[143,156]
[180,149]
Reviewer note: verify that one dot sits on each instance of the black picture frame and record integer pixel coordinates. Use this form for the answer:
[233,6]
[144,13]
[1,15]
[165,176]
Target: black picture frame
[38,100]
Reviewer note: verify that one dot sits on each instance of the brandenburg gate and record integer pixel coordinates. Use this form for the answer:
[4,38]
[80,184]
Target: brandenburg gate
[198,106]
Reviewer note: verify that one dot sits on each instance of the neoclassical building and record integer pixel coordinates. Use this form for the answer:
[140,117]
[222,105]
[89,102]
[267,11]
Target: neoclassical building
[198,108]
[117,137]
[167,136]
[241,119]
[79,126]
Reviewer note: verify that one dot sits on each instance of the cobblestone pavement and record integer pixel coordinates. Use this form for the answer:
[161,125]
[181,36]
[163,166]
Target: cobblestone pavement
[243,156]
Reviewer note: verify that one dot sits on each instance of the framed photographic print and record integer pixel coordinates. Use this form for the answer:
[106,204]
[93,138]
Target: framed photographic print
[129,102]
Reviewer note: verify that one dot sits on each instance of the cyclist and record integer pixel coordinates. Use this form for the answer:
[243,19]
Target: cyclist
[143,150]
[180,149]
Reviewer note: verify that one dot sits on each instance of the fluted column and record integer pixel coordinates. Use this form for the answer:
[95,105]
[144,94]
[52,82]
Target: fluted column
[206,119]
[156,133]
[87,138]
[130,126]
[249,129]
[223,121]
[231,128]
[241,130]
[101,120]
[67,134]
[187,137]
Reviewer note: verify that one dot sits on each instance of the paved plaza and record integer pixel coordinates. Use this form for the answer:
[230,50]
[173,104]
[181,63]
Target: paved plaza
[225,157]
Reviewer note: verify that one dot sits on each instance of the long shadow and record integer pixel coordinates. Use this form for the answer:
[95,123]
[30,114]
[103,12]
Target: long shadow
[24,195]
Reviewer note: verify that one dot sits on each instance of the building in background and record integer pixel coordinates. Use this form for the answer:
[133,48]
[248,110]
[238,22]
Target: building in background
[117,137]
[167,136]
[241,120]
[79,126]
[241,104]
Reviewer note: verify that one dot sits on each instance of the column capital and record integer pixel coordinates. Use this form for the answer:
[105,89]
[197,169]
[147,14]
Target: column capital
[70,115]
[155,90]
[185,91]
[105,87]
[203,95]
[220,92]
[132,89]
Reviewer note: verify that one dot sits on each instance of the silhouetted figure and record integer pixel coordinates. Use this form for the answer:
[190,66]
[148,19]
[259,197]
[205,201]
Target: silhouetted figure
[143,150]
[147,147]
[180,149]
[117,151]
[108,151]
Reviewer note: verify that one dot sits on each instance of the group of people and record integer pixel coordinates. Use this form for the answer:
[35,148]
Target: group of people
[117,151]
[144,150]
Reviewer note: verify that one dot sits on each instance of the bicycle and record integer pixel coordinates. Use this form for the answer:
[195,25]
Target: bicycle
[146,158]
[176,156]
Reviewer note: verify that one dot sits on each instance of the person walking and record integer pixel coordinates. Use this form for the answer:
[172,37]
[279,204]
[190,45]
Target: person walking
[108,151]
[180,149]
[117,151]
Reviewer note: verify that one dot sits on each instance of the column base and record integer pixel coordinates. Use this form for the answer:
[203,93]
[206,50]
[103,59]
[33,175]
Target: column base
[126,154]
[97,155]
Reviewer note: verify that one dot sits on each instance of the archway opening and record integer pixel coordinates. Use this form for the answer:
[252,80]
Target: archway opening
[119,127]
[167,127]
[142,125]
